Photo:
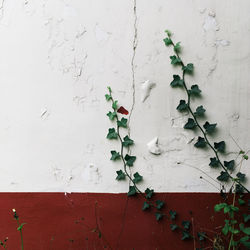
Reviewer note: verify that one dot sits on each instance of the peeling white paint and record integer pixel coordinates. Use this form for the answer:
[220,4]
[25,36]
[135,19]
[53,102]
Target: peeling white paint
[153,146]
[146,88]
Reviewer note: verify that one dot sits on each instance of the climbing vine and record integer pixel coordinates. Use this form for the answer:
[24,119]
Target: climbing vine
[234,230]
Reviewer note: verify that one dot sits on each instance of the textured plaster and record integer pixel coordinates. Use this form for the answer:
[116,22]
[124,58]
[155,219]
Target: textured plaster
[57,57]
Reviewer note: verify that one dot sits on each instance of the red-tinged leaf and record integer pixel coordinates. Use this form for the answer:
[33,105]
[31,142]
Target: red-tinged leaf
[122,110]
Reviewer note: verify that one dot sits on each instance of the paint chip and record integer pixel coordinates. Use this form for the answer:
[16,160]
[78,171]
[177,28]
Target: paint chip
[153,147]
[145,89]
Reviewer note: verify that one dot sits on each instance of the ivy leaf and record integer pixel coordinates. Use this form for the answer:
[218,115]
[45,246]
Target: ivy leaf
[241,176]
[115,155]
[130,160]
[241,202]
[182,106]
[109,89]
[159,204]
[172,214]
[185,235]
[189,68]
[177,82]
[175,60]
[111,115]
[246,217]
[224,176]
[145,206]
[158,216]
[186,224]
[132,191]
[120,175]
[122,111]
[194,90]
[214,163]
[114,105]
[167,41]
[199,111]
[225,229]
[122,122]
[219,206]
[21,226]
[209,127]
[112,134]
[201,143]
[108,97]
[127,141]
[190,124]
[245,230]
[239,189]
[201,236]
[149,193]
[229,165]
[137,177]
[177,47]
[220,146]
[168,33]
[173,227]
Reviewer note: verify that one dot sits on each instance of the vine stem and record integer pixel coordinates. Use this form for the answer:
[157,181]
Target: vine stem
[21,233]
[199,126]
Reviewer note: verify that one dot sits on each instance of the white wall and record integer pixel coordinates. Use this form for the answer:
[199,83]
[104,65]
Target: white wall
[58,56]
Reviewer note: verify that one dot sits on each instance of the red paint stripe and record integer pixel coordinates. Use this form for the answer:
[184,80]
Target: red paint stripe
[59,221]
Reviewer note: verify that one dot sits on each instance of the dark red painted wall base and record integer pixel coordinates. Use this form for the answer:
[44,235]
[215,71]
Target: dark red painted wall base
[64,222]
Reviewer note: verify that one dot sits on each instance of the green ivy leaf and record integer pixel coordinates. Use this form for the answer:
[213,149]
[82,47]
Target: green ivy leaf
[145,206]
[177,47]
[182,106]
[159,204]
[122,122]
[132,191]
[229,165]
[194,90]
[241,176]
[137,177]
[172,214]
[225,229]
[120,175]
[209,127]
[177,81]
[112,134]
[239,189]
[245,230]
[244,241]
[245,157]
[186,224]
[189,68]
[168,33]
[214,163]
[115,155]
[114,105]
[220,146]
[201,143]
[191,124]
[219,206]
[167,41]
[185,235]
[149,193]
[109,89]
[199,111]
[21,226]
[111,115]
[224,176]
[130,160]
[108,97]
[158,216]
[127,141]
[201,236]
[175,60]
[241,202]
[246,217]
[173,227]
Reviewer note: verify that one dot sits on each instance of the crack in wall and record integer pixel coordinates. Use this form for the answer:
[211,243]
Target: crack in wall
[133,65]
[2,3]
